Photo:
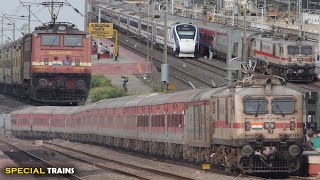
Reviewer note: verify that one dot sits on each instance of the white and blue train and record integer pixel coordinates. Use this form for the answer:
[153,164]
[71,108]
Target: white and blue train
[186,40]
[183,38]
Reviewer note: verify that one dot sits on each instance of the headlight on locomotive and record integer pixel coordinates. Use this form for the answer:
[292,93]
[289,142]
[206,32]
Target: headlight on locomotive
[247,150]
[290,71]
[294,150]
[311,71]
[43,83]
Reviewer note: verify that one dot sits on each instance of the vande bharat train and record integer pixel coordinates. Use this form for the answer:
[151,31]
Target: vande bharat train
[185,38]
[182,38]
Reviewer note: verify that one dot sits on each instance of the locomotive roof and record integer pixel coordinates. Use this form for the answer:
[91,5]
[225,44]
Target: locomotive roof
[274,40]
[58,27]
[256,86]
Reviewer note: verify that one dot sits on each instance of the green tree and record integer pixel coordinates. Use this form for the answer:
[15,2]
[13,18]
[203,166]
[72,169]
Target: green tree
[24,28]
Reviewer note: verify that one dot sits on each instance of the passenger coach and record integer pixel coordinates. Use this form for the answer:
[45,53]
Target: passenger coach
[255,126]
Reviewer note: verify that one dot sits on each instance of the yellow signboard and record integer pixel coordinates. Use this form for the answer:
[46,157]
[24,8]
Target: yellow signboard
[101,30]
[172,87]
[206,166]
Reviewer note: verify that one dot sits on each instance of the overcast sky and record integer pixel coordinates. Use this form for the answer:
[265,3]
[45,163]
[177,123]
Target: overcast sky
[67,14]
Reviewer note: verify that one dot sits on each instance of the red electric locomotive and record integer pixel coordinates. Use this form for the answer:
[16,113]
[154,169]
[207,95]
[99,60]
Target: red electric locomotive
[51,65]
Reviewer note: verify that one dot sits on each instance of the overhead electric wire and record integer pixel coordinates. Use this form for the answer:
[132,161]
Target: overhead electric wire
[12,23]
[31,12]
[21,19]
[75,9]
[6,36]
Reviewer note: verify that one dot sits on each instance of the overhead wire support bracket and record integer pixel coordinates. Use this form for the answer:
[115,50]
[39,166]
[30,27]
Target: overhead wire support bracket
[52,5]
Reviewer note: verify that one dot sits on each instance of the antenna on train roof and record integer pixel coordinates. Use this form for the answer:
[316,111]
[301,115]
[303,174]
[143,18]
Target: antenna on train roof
[52,5]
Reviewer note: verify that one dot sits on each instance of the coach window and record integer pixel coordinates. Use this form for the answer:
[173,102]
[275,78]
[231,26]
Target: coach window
[50,40]
[255,106]
[283,106]
[73,40]
[134,24]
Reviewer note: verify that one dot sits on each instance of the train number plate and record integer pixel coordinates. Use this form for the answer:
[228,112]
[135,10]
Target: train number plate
[66,62]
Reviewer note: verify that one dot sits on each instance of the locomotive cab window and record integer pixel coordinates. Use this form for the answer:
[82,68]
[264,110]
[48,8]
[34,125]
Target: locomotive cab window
[72,40]
[283,106]
[293,50]
[255,106]
[186,31]
[306,50]
[50,40]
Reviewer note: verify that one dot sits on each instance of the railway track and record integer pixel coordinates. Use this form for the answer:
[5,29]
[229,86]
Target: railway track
[145,173]
[313,87]
[38,159]
[178,72]
[120,167]
[207,66]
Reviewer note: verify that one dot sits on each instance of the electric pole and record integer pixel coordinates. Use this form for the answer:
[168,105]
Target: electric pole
[204,13]
[229,56]
[264,10]
[29,19]
[14,31]
[85,15]
[152,37]
[2,30]
[244,54]
[299,7]
[52,13]
[165,66]
[238,12]
[165,49]
[148,1]
[99,21]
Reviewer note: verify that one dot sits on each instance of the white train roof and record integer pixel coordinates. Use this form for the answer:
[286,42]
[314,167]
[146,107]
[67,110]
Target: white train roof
[140,12]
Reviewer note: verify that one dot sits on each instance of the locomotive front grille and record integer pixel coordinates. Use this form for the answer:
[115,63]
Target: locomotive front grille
[61,95]
[277,165]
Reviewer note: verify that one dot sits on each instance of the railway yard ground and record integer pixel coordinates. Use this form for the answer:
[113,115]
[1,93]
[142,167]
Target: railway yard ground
[127,64]
[96,162]
[99,162]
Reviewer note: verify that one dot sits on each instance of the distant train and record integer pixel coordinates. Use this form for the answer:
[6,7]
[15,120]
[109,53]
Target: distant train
[182,38]
[51,65]
[288,56]
[255,126]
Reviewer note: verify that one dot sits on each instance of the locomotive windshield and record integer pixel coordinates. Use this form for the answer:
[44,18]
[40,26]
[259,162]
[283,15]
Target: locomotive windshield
[72,40]
[255,106]
[283,106]
[186,31]
[293,50]
[304,50]
[50,40]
